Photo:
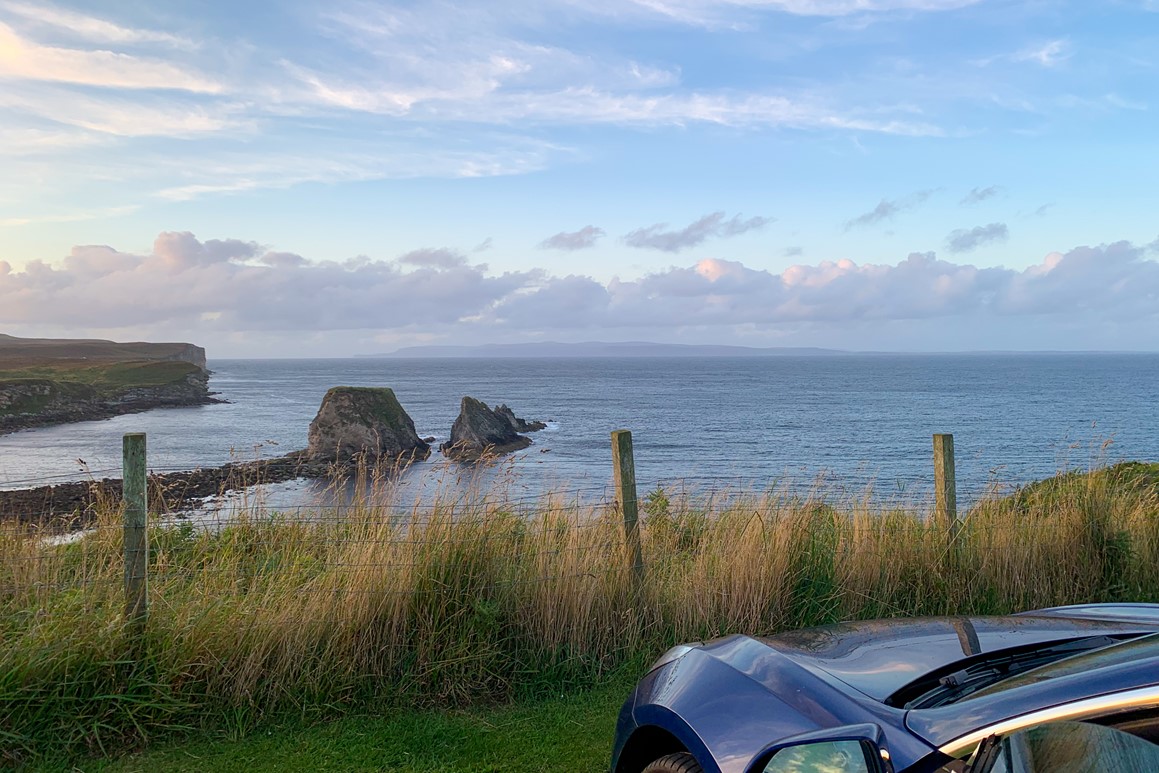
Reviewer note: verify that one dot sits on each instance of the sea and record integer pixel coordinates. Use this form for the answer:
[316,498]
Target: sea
[839,426]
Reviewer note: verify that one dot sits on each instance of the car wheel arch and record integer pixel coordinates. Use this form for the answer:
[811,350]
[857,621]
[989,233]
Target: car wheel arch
[647,743]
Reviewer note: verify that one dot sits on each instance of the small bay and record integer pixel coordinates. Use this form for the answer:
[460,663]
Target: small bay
[841,422]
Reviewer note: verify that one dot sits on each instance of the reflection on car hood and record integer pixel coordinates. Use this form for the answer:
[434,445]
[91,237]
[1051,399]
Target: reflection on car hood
[877,658]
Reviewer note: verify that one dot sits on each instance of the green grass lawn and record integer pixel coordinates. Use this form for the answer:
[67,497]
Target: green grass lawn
[571,734]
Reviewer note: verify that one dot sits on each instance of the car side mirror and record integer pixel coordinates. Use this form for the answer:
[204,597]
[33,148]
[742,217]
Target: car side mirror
[851,749]
[829,756]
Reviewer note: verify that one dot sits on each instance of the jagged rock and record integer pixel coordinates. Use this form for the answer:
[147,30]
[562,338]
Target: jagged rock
[478,431]
[518,424]
[363,421]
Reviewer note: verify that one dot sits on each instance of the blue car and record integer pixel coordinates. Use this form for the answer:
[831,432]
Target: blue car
[1062,689]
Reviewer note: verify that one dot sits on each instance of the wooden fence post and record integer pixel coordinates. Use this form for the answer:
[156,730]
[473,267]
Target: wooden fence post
[945,485]
[624,466]
[135,495]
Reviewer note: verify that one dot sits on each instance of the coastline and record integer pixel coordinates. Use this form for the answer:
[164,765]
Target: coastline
[65,403]
[46,382]
[99,411]
[72,505]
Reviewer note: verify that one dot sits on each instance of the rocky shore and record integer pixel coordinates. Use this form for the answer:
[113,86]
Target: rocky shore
[70,506]
[31,403]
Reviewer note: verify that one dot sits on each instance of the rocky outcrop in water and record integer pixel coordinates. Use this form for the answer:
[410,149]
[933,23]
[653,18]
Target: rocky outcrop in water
[479,431]
[518,424]
[363,423]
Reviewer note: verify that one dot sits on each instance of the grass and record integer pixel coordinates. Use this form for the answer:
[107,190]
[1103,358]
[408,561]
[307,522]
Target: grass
[473,604]
[569,734]
[103,377]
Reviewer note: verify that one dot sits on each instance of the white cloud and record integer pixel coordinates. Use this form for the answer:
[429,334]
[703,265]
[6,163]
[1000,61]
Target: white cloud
[432,257]
[590,105]
[235,287]
[88,28]
[658,236]
[1049,54]
[23,141]
[366,91]
[574,240]
[21,58]
[459,63]
[723,13]
[886,209]
[978,195]
[967,239]
[70,217]
[122,116]
[231,173]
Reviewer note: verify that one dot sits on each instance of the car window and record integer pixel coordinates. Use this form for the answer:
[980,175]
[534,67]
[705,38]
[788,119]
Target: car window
[1075,747]
[1144,724]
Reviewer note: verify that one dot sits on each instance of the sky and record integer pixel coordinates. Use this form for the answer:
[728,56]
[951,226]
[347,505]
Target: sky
[302,179]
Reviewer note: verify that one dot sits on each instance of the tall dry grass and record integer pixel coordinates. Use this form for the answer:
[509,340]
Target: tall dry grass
[473,600]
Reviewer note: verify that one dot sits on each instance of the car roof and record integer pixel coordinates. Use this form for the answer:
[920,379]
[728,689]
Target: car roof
[879,657]
[1146,614]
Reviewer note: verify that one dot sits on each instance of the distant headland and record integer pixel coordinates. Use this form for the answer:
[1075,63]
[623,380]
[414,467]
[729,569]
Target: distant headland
[47,381]
[603,349]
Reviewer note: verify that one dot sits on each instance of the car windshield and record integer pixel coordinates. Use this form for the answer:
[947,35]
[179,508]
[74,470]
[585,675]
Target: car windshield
[992,672]
[1123,652]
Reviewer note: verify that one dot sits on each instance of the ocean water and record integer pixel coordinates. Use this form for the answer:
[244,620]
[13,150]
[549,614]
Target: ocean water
[843,423]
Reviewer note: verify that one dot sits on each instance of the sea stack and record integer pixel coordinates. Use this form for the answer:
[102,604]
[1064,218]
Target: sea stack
[518,424]
[363,422]
[479,431]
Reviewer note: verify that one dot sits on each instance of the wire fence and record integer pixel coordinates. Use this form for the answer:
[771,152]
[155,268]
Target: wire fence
[471,592]
[114,630]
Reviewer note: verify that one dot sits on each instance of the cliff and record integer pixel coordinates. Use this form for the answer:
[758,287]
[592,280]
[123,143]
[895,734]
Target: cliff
[44,381]
[52,352]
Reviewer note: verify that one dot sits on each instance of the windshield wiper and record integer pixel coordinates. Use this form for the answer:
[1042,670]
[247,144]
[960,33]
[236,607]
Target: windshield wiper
[940,688]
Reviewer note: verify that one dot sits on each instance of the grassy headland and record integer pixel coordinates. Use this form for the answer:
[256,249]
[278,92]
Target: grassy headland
[454,605]
[44,381]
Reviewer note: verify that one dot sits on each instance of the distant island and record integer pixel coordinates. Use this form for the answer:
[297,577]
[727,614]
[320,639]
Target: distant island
[602,349]
[47,381]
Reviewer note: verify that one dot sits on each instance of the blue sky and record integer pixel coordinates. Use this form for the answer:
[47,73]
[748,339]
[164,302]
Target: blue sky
[301,178]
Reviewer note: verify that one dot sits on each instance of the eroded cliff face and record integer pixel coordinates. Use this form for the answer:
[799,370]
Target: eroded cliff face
[54,380]
[194,355]
[28,403]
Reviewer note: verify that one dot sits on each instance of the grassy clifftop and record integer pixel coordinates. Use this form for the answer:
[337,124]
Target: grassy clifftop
[45,381]
[103,377]
[16,353]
